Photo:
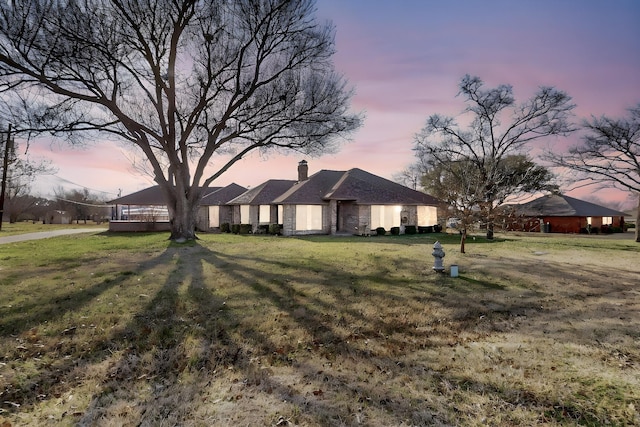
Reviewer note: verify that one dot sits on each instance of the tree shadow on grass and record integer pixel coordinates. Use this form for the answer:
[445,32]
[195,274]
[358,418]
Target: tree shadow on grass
[190,336]
[238,339]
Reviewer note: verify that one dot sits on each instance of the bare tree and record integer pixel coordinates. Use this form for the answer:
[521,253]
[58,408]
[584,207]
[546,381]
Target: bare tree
[411,176]
[609,154]
[498,129]
[461,186]
[18,172]
[194,84]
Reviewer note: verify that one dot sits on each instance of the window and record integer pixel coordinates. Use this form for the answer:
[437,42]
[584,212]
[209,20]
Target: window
[265,214]
[308,217]
[427,215]
[244,214]
[607,220]
[385,216]
[214,216]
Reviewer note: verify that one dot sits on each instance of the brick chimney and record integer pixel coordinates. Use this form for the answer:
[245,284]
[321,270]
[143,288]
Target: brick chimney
[303,171]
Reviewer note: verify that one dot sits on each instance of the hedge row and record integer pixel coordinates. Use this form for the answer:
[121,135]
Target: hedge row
[274,229]
[410,229]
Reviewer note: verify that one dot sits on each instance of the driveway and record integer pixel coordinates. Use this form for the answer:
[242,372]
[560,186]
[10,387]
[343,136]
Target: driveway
[47,234]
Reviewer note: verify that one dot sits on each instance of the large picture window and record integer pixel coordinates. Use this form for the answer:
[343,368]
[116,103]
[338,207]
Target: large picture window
[385,216]
[308,217]
[427,215]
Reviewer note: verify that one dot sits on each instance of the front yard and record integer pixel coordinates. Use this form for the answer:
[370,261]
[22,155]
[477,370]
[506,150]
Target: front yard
[106,329]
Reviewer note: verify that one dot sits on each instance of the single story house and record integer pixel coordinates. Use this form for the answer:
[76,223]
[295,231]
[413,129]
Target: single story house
[350,202]
[327,202]
[57,217]
[146,210]
[557,213]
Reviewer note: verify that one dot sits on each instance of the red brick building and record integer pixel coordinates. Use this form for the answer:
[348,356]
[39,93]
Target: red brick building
[557,213]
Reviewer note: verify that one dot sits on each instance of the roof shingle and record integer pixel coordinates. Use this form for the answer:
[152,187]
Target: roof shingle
[560,205]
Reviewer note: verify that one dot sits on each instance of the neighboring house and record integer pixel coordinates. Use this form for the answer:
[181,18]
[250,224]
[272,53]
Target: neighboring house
[557,213]
[146,210]
[57,217]
[352,202]
[256,206]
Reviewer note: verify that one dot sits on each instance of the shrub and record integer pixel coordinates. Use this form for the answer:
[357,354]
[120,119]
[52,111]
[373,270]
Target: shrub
[437,228]
[235,228]
[380,231]
[410,229]
[629,225]
[395,231]
[262,229]
[275,229]
[615,229]
[427,229]
[225,227]
[245,229]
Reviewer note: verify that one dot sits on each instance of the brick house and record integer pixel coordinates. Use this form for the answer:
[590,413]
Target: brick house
[351,202]
[557,213]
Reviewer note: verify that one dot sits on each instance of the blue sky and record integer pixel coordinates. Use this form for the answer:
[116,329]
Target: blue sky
[405,59]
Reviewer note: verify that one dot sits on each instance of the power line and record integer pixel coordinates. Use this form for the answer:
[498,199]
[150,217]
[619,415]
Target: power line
[84,186]
[83,203]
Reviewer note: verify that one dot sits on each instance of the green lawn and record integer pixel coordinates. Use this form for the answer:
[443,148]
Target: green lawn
[116,329]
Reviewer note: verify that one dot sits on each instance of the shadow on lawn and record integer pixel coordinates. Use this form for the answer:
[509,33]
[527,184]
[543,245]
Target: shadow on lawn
[194,333]
[188,337]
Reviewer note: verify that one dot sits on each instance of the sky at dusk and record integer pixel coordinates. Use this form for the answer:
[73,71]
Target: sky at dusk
[405,59]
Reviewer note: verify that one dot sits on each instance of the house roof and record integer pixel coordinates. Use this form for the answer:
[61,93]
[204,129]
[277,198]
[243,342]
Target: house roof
[353,185]
[561,205]
[153,196]
[148,196]
[367,188]
[312,190]
[222,196]
[264,193]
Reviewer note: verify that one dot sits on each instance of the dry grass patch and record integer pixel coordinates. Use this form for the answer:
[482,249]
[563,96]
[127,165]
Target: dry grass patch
[259,330]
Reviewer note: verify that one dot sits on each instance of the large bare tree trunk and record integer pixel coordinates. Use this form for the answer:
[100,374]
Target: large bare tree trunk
[183,202]
[183,224]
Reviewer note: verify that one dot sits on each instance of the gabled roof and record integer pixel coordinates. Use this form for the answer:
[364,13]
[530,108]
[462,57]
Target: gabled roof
[263,194]
[353,185]
[152,196]
[222,196]
[560,205]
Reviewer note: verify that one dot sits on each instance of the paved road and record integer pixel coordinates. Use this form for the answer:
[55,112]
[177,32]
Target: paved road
[47,234]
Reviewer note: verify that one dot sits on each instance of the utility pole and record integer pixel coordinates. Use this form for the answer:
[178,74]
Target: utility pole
[5,169]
